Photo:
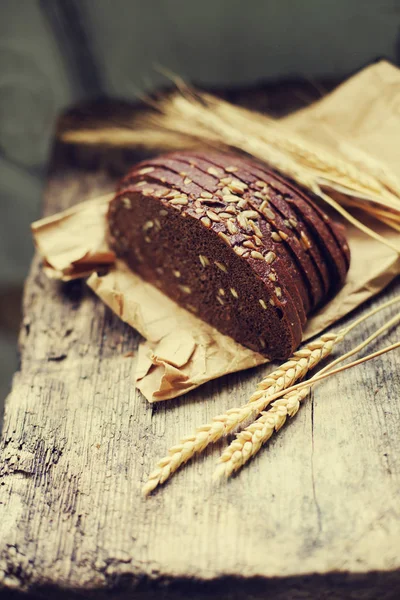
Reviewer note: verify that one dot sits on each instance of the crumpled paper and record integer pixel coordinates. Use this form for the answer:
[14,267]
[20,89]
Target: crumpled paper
[66,259]
[179,351]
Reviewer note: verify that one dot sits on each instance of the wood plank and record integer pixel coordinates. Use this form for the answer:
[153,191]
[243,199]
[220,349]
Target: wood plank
[316,514]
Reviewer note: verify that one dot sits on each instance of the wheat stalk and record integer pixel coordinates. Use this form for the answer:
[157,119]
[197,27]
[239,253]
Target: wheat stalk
[354,167]
[195,119]
[385,215]
[191,118]
[372,177]
[367,163]
[295,368]
[249,441]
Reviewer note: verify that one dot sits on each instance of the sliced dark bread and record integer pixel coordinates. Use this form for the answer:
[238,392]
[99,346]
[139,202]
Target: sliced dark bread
[306,276]
[207,275]
[211,183]
[297,237]
[337,230]
[316,226]
[264,244]
[230,240]
[317,221]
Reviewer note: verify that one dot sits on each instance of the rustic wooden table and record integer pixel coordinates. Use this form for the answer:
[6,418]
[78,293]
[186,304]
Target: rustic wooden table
[315,515]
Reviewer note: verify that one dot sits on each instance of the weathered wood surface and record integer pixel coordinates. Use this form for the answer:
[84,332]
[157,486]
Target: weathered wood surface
[316,514]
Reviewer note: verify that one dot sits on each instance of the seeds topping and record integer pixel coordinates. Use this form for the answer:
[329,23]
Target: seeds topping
[192,308]
[238,186]
[270,257]
[305,241]
[262,302]
[146,170]
[204,260]
[224,237]
[250,214]
[230,198]
[179,201]
[213,171]
[213,216]
[185,289]
[231,227]
[220,266]
[268,213]
[174,194]
[256,229]
[206,222]
[276,237]
[243,222]
[249,244]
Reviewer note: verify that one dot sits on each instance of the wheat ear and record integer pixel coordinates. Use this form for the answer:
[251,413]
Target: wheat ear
[249,441]
[295,368]
[371,177]
[288,157]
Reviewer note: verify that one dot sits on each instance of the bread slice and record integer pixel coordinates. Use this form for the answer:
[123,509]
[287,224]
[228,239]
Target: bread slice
[324,229]
[230,241]
[189,256]
[211,183]
[247,232]
[326,243]
[337,231]
[296,235]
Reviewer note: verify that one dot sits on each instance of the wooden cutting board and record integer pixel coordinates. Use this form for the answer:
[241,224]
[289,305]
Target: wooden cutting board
[315,514]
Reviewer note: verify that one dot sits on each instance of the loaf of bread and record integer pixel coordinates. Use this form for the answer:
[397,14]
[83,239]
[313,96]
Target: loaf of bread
[242,247]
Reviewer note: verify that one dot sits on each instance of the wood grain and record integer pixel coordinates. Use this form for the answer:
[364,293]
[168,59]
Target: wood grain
[315,514]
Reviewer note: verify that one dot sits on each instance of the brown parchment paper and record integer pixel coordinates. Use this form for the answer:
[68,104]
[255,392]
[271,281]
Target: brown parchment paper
[67,257]
[179,351]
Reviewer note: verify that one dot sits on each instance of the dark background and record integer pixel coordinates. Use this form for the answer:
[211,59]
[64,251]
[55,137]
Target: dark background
[54,53]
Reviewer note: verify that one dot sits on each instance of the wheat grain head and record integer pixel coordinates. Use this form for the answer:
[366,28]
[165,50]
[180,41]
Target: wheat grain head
[291,371]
